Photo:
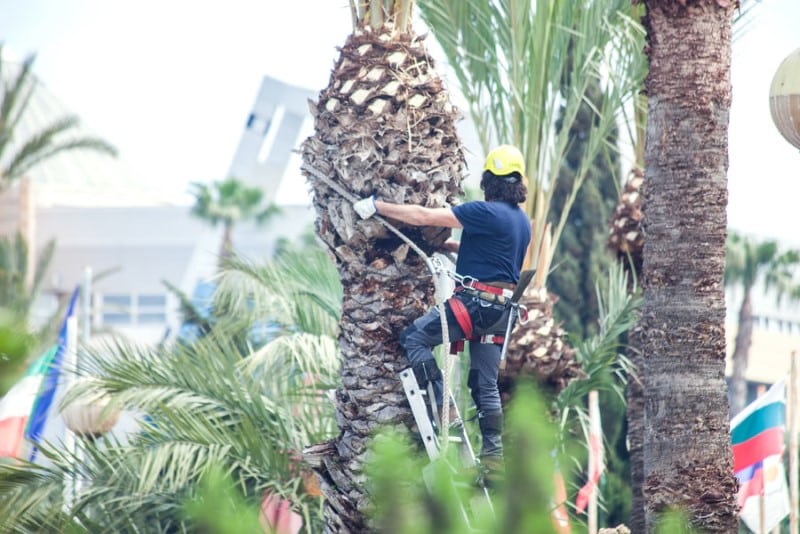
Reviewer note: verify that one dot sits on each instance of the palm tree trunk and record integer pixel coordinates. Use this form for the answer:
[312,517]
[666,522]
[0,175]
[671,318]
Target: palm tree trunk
[687,453]
[741,351]
[383,126]
[226,247]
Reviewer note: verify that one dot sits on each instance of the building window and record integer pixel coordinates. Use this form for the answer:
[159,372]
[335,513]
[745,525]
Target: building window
[270,132]
[117,309]
[146,301]
[152,318]
[147,309]
[150,309]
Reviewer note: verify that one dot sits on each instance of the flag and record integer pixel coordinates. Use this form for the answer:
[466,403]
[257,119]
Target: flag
[757,439]
[596,460]
[17,404]
[769,478]
[41,423]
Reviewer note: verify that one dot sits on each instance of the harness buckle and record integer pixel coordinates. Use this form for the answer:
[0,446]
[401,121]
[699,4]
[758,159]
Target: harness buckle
[468,281]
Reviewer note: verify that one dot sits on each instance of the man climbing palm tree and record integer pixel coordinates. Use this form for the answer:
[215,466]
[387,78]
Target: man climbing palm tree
[495,238]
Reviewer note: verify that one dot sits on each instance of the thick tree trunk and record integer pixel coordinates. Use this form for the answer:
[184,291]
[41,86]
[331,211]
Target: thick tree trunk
[741,351]
[383,126]
[687,453]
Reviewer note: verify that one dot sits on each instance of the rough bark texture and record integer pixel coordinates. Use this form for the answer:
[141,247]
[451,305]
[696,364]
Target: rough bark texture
[383,126]
[741,350]
[687,453]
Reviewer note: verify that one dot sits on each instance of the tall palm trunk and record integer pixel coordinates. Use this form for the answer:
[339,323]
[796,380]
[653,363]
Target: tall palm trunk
[741,349]
[226,247]
[384,125]
[687,454]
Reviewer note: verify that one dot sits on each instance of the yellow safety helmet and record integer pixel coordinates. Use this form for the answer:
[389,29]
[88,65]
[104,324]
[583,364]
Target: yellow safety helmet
[504,160]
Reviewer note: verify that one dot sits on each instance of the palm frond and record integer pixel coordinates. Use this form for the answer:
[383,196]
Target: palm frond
[601,356]
[17,93]
[301,289]
[525,69]
[44,146]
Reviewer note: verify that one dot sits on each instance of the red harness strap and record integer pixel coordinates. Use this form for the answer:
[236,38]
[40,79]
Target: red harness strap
[462,316]
[464,321]
[478,286]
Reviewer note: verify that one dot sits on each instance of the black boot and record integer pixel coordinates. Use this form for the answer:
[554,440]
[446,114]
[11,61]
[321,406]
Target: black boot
[493,467]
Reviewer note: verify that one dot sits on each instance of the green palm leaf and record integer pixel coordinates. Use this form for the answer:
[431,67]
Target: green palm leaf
[59,136]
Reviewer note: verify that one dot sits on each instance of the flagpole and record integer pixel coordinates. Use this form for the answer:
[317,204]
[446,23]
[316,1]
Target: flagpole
[762,504]
[68,364]
[85,327]
[594,414]
[793,476]
[86,306]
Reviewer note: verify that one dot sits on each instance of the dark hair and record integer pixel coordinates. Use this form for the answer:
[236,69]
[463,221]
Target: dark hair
[508,188]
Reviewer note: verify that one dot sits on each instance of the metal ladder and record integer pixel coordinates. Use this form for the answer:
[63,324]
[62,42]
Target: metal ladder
[416,400]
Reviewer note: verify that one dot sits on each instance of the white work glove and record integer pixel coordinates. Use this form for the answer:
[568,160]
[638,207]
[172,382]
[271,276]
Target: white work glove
[365,207]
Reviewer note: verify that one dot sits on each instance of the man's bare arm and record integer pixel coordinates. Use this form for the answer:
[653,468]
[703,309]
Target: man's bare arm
[418,215]
[451,245]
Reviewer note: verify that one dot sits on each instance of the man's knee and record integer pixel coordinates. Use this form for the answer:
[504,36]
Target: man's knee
[474,388]
[484,391]
[426,371]
[406,334]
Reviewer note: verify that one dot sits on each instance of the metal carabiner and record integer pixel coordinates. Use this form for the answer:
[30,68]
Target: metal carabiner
[467,281]
[522,314]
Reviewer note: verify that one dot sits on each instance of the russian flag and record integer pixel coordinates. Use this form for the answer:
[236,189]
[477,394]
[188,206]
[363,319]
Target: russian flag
[757,432]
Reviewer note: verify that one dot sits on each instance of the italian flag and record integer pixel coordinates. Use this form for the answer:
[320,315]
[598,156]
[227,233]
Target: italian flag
[18,403]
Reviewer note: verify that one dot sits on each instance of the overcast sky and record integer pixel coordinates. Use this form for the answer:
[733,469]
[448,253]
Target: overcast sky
[171,83]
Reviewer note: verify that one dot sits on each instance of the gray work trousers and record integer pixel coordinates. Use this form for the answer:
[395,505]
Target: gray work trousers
[425,333]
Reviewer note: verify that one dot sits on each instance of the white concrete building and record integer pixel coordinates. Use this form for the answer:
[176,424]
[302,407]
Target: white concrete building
[102,220]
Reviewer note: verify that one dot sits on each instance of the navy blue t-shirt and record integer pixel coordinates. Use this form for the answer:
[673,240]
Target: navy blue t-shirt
[493,242]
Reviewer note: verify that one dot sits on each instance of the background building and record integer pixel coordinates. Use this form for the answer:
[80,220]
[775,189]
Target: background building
[102,220]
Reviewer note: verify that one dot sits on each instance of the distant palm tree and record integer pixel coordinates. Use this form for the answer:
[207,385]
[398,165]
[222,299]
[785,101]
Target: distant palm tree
[58,136]
[748,263]
[229,203]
